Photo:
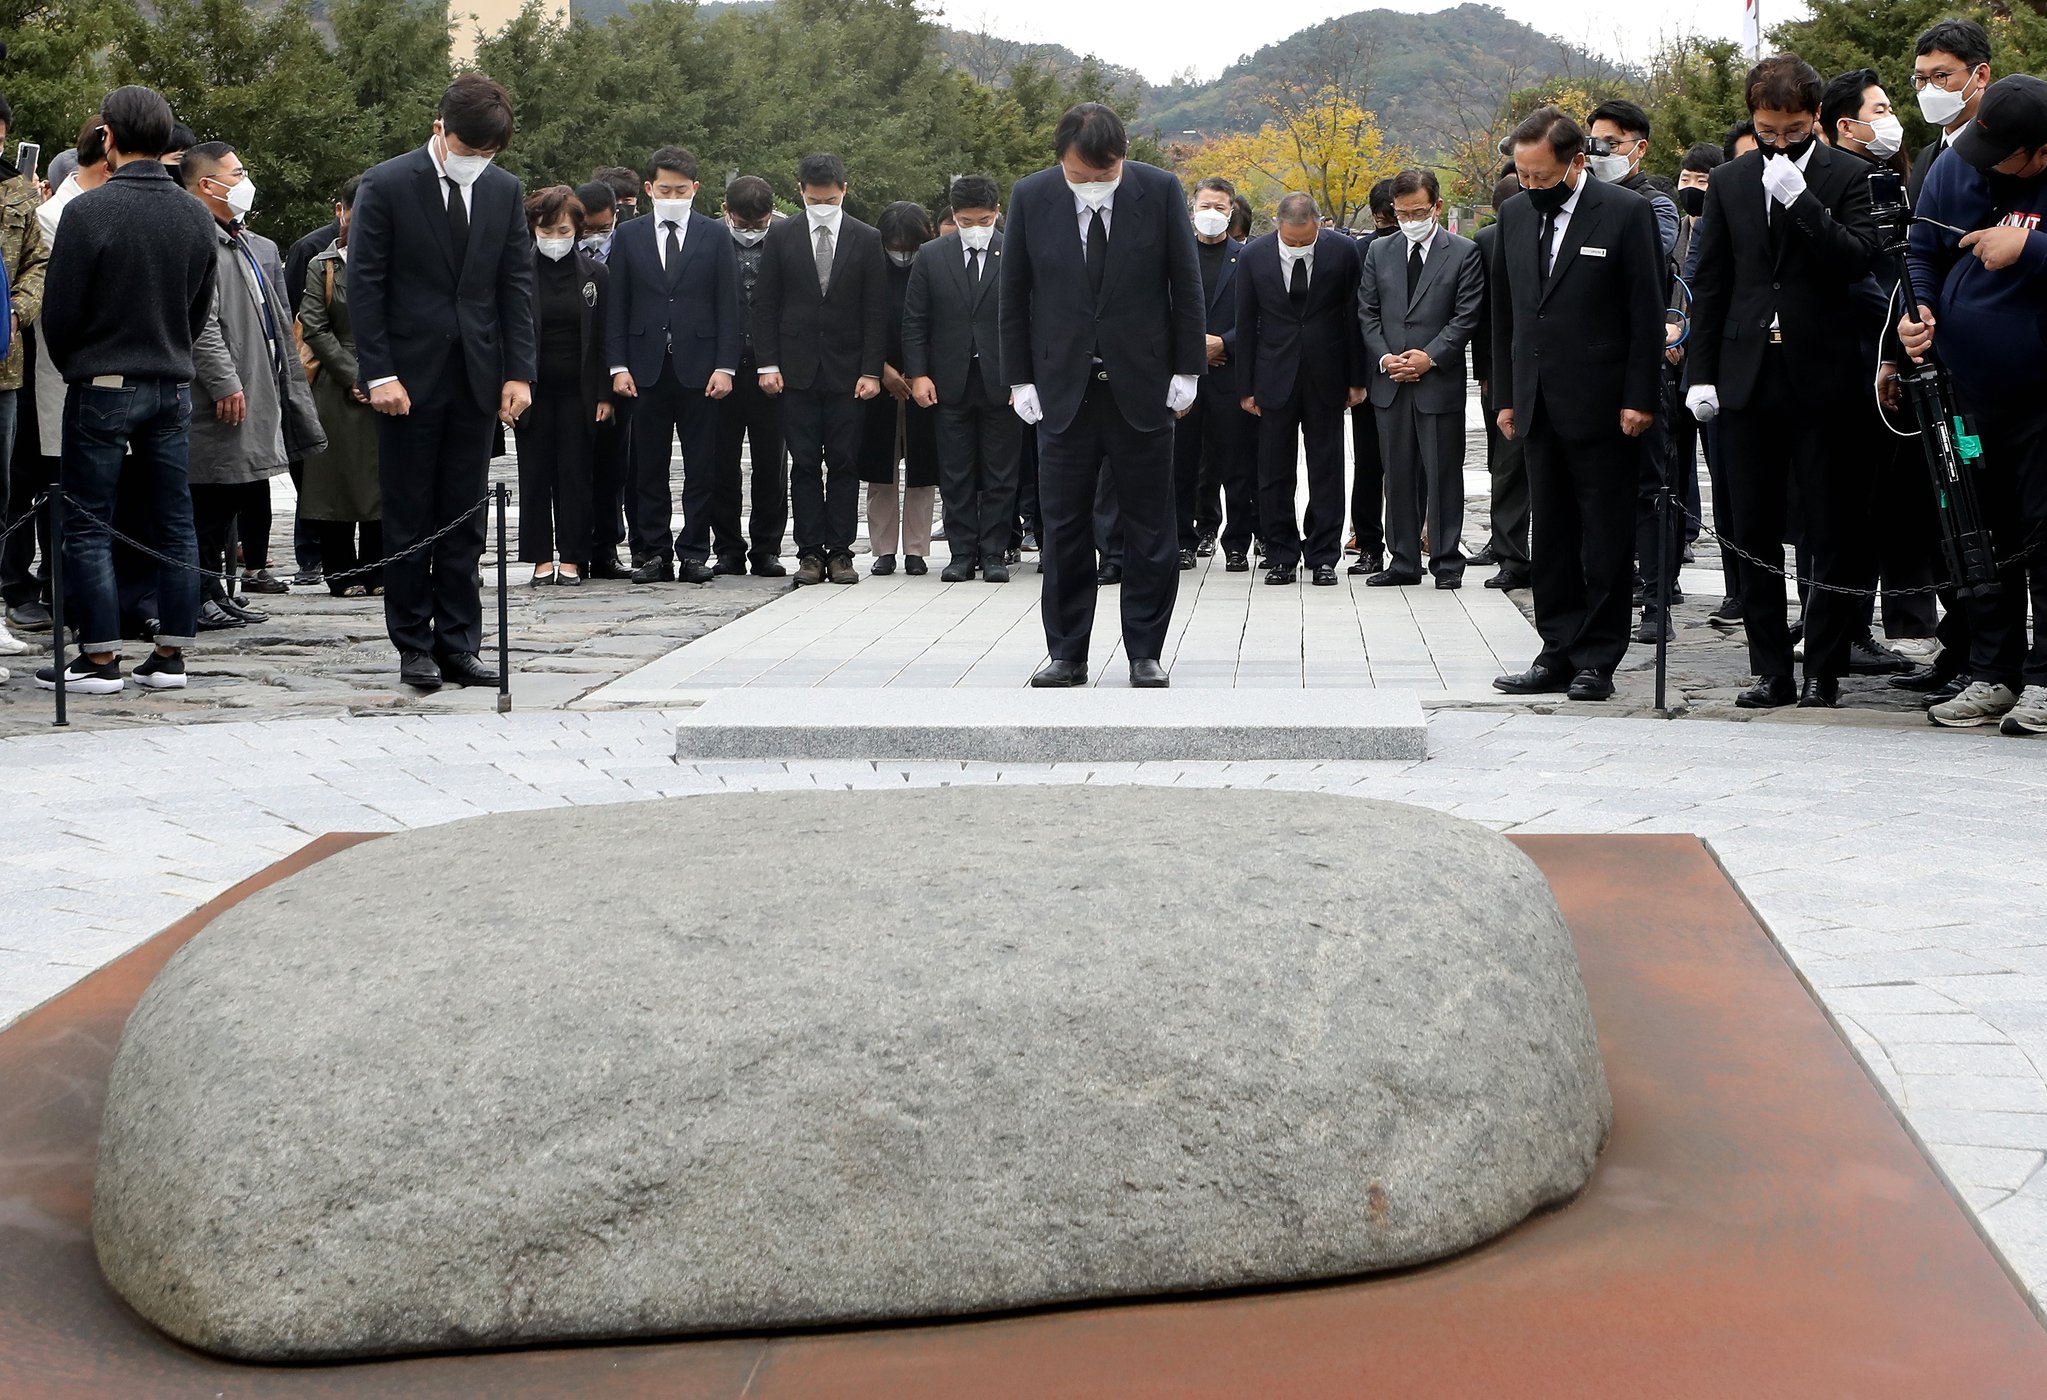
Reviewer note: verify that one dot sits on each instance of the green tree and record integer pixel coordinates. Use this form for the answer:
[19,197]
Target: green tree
[1694,93]
[58,65]
[394,54]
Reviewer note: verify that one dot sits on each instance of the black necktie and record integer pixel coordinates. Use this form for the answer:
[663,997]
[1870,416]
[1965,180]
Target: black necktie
[1097,250]
[458,219]
[974,265]
[671,254]
[1549,221]
[1297,287]
[1414,268]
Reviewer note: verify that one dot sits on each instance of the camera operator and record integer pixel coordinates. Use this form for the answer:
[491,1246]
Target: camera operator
[1989,319]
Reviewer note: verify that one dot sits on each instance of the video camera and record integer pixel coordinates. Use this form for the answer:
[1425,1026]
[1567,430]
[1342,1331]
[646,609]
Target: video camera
[1953,451]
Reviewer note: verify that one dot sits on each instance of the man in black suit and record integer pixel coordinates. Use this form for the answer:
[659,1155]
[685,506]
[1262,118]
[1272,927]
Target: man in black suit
[1102,320]
[1215,447]
[952,354]
[440,286]
[1300,363]
[1577,341]
[1506,467]
[820,330]
[1368,471]
[674,347]
[748,420]
[1950,70]
[1785,240]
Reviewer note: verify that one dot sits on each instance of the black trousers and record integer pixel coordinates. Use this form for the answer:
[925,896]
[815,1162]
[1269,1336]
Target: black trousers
[1282,429]
[669,410]
[1660,464]
[433,466]
[1028,517]
[977,472]
[611,473]
[341,554]
[1368,481]
[1215,453]
[1788,439]
[1582,553]
[1069,468]
[747,417]
[1905,537]
[822,428]
[557,462]
[1506,464]
[2012,490]
[221,514]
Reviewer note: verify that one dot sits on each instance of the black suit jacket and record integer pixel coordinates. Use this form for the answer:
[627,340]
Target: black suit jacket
[593,378]
[1222,316]
[1319,341]
[1806,274]
[1576,351]
[1147,324]
[828,341]
[414,308]
[694,304]
[1488,241]
[300,257]
[948,320]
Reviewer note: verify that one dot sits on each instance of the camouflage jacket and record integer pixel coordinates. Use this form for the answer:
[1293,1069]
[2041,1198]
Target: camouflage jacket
[21,244]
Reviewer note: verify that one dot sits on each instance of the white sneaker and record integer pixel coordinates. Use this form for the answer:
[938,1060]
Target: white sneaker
[2029,716]
[1921,649]
[10,645]
[1980,703]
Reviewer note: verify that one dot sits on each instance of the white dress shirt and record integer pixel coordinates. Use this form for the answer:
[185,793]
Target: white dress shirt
[1289,256]
[467,191]
[1085,214]
[681,227]
[1562,220]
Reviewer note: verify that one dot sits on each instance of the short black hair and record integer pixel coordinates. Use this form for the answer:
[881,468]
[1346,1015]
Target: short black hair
[1380,199]
[905,224]
[1703,157]
[821,169]
[183,138]
[1623,114]
[974,192]
[1418,182]
[672,158]
[596,197]
[1742,128]
[1296,208]
[625,184]
[1216,183]
[1505,188]
[1783,83]
[1842,97]
[345,196]
[1092,131]
[1964,38]
[202,160]
[140,118]
[1552,126]
[749,197]
[478,112]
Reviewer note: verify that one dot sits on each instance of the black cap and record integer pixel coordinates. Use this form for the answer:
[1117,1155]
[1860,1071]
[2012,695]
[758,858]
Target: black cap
[2012,117]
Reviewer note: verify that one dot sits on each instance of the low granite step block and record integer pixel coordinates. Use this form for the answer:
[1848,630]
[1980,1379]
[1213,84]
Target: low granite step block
[1056,726]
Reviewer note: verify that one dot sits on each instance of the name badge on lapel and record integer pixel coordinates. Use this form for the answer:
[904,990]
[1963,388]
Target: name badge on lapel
[590,294]
[1592,252]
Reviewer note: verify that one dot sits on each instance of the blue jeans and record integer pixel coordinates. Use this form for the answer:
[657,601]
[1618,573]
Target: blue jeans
[152,418]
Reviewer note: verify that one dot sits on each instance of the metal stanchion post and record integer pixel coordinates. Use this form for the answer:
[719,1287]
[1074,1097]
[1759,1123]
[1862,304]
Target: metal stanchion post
[56,563]
[504,496]
[1663,561]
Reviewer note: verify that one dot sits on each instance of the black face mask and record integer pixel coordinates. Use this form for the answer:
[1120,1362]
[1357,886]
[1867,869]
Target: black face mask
[1796,150]
[1692,200]
[1550,199]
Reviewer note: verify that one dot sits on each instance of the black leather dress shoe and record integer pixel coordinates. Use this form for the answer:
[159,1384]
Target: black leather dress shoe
[1205,546]
[1372,561]
[1060,675]
[242,612]
[1012,555]
[1186,559]
[607,566]
[1325,576]
[914,564]
[1386,578]
[730,564]
[770,568]
[1109,575]
[960,570]
[1767,693]
[417,669]
[1925,680]
[1820,693]
[1479,558]
[1149,675]
[1589,685]
[1536,680]
[1869,657]
[692,571]
[995,573]
[1236,562]
[883,565]
[466,668]
[660,570]
[1949,690]
[1504,580]
[1449,580]
[1280,574]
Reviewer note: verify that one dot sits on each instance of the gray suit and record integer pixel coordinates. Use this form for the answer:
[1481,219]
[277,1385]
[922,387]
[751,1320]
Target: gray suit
[1421,425]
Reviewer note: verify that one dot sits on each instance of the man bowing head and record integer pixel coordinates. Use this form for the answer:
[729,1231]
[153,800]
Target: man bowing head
[1102,343]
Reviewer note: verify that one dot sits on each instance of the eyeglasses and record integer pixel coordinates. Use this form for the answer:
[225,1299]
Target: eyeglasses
[1943,76]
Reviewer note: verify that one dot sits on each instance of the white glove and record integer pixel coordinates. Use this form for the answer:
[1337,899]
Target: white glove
[1024,399]
[1180,393]
[1704,402]
[1782,180]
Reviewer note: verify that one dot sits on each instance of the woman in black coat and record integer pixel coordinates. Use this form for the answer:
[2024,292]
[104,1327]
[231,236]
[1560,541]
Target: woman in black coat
[893,428]
[557,438]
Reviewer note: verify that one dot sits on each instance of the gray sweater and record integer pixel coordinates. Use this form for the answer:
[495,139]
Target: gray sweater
[131,281]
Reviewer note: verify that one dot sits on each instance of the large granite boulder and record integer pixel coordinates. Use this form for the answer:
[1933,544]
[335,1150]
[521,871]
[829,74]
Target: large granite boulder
[781,1059]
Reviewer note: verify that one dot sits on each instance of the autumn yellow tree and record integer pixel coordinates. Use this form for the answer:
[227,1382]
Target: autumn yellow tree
[1321,144]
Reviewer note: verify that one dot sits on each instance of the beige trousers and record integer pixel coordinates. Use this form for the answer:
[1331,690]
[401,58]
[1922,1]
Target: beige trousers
[900,515]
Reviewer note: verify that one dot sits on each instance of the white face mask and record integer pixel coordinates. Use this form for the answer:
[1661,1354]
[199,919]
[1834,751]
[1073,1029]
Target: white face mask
[241,198]
[597,242]
[749,236]
[1211,223]
[463,170]
[671,211]
[978,239]
[1093,193]
[901,257]
[1610,168]
[1418,230]
[1886,137]
[554,248]
[824,215]
[1940,106]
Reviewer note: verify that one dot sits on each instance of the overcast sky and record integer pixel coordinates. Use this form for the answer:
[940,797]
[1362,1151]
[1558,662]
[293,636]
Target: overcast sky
[1161,39]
